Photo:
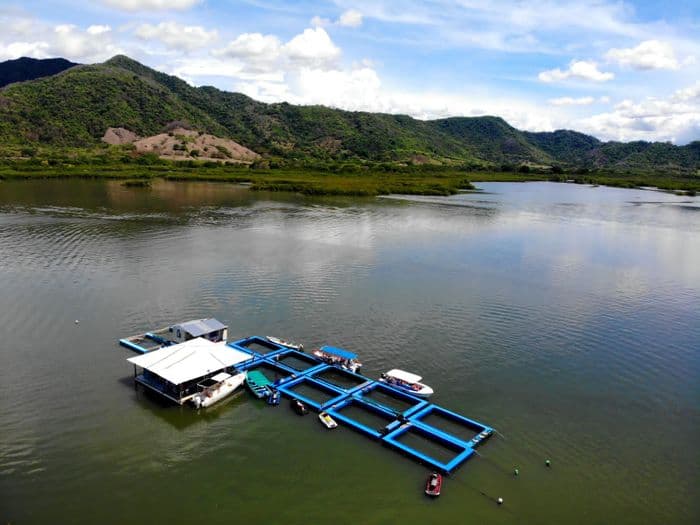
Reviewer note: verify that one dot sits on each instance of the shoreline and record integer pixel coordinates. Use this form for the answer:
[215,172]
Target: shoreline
[410,181]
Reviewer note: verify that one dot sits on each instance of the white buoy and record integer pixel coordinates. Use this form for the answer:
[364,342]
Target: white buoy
[516,472]
[547,462]
[500,501]
[76,321]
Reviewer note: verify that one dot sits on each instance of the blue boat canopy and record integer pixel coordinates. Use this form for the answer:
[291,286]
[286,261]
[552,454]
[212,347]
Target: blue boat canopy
[339,352]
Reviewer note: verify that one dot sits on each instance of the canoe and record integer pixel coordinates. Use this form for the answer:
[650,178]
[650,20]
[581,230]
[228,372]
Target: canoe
[217,388]
[406,382]
[433,485]
[283,342]
[327,420]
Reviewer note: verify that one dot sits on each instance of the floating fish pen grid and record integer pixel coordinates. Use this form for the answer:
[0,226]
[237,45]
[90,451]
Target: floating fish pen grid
[313,386]
[394,418]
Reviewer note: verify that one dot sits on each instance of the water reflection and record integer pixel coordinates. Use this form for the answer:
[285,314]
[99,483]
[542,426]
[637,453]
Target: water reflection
[566,316]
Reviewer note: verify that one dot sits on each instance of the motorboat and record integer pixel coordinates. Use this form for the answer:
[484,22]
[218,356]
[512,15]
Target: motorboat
[338,357]
[407,382]
[274,397]
[286,344]
[433,485]
[299,407]
[327,420]
[217,388]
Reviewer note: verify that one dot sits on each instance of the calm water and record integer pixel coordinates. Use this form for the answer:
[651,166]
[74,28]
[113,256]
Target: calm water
[567,317]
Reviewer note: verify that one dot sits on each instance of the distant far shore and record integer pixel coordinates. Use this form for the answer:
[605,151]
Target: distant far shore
[313,176]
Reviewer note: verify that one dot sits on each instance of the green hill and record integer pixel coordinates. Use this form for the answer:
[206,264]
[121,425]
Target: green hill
[23,69]
[76,107]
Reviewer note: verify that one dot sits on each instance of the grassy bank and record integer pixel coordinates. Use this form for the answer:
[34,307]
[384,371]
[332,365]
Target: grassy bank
[310,182]
[343,179]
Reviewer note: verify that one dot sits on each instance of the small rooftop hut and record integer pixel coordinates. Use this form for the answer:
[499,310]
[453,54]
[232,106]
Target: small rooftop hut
[210,329]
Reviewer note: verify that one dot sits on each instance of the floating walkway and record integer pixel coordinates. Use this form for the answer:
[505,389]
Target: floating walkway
[415,427]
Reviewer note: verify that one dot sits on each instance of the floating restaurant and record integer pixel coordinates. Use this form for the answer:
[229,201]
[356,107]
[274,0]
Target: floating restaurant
[177,371]
[400,420]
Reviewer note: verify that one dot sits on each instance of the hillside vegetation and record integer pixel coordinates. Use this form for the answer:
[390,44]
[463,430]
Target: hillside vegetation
[75,108]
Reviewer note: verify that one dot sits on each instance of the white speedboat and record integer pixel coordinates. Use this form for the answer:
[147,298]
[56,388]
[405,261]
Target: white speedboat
[407,382]
[217,388]
[286,344]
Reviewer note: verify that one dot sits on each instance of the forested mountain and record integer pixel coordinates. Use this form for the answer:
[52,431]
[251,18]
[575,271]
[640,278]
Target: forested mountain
[76,107]
[23,69]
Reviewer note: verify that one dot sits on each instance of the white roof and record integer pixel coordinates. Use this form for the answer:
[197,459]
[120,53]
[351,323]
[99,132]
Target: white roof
[189,360]
[404,376]
[221,376]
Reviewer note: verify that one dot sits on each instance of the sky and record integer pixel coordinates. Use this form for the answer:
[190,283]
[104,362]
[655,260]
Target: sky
[618,70]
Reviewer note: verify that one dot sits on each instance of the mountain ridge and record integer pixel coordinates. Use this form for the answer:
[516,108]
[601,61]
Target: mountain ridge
[76,107]
[25,68]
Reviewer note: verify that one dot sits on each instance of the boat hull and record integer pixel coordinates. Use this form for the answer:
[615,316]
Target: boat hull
[327,420]
[423,392]
[286,344]
[225,389]
[434,485]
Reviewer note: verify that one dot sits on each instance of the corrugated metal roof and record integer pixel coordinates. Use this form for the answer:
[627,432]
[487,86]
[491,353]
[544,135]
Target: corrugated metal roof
[200,327]
[190,360]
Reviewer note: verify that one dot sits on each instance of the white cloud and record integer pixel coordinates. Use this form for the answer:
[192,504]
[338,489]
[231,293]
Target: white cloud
[650,54]
[578,69]
[318,21]
[569,101]
[675,118]
[256,52]
[312,48]
[176,36]
[98,29]
[24,49]
[355,89]
[252,46]
[151,5]
[350,18]
[71,42]
[25,36]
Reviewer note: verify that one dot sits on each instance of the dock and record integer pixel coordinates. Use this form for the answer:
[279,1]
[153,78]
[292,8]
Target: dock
[403,420]
[414,427]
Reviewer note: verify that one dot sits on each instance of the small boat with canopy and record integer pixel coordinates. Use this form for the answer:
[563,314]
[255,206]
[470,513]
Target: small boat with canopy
[406,381]
[338,357]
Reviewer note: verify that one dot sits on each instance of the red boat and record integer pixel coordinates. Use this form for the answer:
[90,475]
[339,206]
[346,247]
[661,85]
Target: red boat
[433,485]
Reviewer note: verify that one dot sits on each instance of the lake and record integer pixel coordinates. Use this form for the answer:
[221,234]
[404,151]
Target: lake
[565,316]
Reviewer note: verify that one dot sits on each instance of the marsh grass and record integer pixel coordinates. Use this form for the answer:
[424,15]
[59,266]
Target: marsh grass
[364,181]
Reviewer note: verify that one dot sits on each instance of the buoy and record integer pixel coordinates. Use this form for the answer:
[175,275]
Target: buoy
[500,501]
[546,462]
[516,472]
[76,321]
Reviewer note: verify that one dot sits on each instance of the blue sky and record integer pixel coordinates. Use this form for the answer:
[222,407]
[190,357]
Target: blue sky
[618,70]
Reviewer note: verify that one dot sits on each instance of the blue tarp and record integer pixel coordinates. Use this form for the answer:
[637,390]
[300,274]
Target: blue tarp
[339,352]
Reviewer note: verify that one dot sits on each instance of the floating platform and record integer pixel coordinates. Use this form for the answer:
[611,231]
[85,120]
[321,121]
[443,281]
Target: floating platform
[423,431]
[428,433]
